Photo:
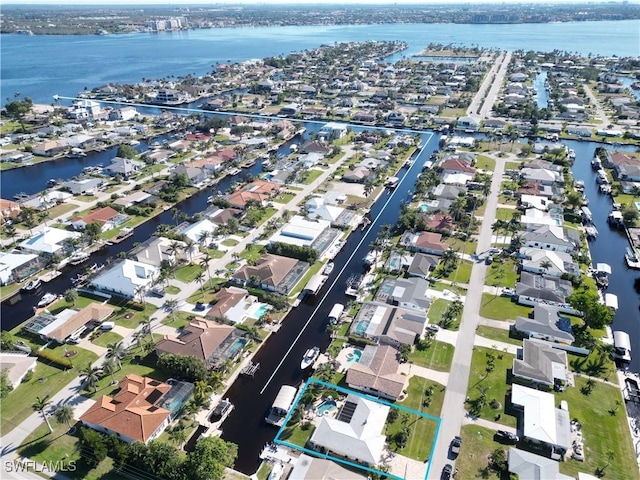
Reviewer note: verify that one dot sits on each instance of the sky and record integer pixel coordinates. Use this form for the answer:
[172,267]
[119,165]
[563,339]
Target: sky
[303,2]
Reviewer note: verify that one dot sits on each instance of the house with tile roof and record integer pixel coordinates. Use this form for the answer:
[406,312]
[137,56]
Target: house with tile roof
[107,217]
[138,412]
[425,242]
[376,373]
[231,303]
[65,324]
[540,363]
[273,273]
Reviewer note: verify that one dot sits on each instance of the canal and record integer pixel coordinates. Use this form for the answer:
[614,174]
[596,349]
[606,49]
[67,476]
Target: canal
[304,327]
[610,247]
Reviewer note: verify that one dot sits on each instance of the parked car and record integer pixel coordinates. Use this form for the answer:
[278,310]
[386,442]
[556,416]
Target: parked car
[506,437]
[433,327]
[456,443]
[508,292]
[446,472]
[106,326]
[488,260]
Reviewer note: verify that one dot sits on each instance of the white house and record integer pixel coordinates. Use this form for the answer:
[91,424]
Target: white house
[333,130]
[199,230]
[555,264]
[17,365]
[356,433]
[127,278]
[300,231]
[85,108]
[10,263]
[548,238]
[124,113]
[48,241]
[85,185]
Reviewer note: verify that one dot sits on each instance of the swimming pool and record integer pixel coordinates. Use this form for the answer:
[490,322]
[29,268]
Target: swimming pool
[260,311]
[326,406]
[236,346]
[424,207]
[353,356]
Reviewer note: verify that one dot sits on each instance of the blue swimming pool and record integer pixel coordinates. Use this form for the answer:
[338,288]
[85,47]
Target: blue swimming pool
[354,356]
[236,346]
[326,406]
[260,311]
[424,207]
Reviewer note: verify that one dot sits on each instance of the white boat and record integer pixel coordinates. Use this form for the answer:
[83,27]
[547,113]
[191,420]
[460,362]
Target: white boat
[276,471]
[47,299]
[32,285]
[336,313]
[621,346]
[591,232]
[281,405]
[78,257]
[310,356]
[371,257]
[233,171]
[328,268]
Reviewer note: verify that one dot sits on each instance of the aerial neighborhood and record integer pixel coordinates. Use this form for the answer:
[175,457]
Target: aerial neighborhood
[383,268]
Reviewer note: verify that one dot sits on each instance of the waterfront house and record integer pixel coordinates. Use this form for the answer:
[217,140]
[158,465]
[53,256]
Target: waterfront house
[85,109]
[541,422]
[450,192]
[16,365]
[550,238]
[49,148]
[408,293]
[545,323]
[158,249]
[68,323]
[308,467]
[554,264]
[195,175]
[333,130]
[83,186]
[124,113]
[272,273]
[422,265]
[315,146]
[107,217]
[540,364]
[124,166]
[387,324]
[358,175]
[542,288]
[127,279]
[8,209]
[210,342]
[541,176]
[137,197]
[140,410]
[221,216]
[49,241]
[376,373]
[15,266]
[232,304]
[302,231]
[424,242]
[356,433]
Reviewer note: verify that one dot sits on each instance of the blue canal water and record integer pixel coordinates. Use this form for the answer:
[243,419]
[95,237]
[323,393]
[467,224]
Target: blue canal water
[542,96]
[42,66]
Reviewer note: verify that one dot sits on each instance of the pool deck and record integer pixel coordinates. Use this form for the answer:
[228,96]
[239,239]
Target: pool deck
[342,358]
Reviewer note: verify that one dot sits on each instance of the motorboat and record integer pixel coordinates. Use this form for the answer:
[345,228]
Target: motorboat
[32,285]
[78,257]
[336,313]
[591,232]
[47,299]
[328,268]
[310,357]
[281,405]
[621,346]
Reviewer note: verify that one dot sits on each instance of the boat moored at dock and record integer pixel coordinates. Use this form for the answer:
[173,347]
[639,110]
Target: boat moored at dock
[310,356]
[281,405]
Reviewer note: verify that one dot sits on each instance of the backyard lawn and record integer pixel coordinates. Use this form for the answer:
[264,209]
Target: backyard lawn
[502,308]
[492,383]
[502,273]
[477,446]
[437,357]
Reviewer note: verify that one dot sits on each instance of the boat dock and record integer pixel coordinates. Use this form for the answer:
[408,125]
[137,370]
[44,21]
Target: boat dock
[47,277]
[250,369]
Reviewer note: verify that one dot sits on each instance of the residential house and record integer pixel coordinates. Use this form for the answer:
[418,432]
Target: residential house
[221,216]
[536,201]
[551,238]
[533,218]
[107,217]
[302,231]
[16,365]
[540,363]
[440,222]
[541,422]
[528,465]
[541,176]
[138,197]
[315,146]
[200,232]
[258,191]
[155,250]
[124,113]
[195,175]
[407,293]
[376,373]
[232,303]
[333,131]
[273,273]
[625,165]
[15,267]
[80,141]
[49,148]
[422,265]
[358,175]
[124,167]
[83,186]
[387,324]
[356,433]
[545,324]
[308,467]
[208,341]
[140,410]
[127,278]
[68,322]
[541,288]
[8,209]
[553,264]
[85,108]
[424,242]
[49,241]
[467,123]
[450,192]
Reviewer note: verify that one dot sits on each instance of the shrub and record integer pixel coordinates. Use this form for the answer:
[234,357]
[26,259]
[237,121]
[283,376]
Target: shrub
[51,357]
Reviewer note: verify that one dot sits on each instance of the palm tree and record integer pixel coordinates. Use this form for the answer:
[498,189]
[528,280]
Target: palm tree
[64,414]
[178,435]
[171,306]
[70,296]
[200,278]
[117,351]
[188,248]
[203,237]
[91,376]
[109,367]
[137,336]
[205,264]
[146,322]
[545,265]
[174,247]
[201,390]
[215,380]
[40,405]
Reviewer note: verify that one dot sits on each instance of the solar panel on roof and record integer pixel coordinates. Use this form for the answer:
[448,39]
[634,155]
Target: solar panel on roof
[347,411]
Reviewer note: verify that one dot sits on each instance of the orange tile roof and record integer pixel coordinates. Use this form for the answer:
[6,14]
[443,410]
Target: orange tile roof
[132,411]
[200,340]
[102,215]
[227,299]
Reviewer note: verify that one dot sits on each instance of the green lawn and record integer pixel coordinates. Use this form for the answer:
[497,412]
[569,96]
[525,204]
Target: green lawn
[421,429]
[601,431]
[177,319]
[502,273]
[493,383]
[129,366]
[507,214]
[311,176]
[172,290]
[129,318]
[512,166]
[230,242]
[188,273]
[283,198]
[462,246]
[497,334]
[315,268]
[43,446]
[502,308]
[441,287]
[485,163]
[80,302]
[46,380]
[252,252]
[477,445]
[106,338]
[437,357]
[296,435]
[437,309]
[462,273]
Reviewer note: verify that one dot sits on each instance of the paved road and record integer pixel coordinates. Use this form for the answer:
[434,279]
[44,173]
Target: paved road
[453,409]
[482,103]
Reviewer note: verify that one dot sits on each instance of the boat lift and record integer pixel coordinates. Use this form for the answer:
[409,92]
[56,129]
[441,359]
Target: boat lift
[250,369]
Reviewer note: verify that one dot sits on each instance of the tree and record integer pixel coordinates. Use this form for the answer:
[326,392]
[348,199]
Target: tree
[117,351]
[7,341]
[201,391]
[146,326]
[499,460]
[5,384]
[204,263]
[209,458]
[91,376]
[630,215]
[171,306]
[94,444]
[92,232]
[178,435]
[545,265]
[109,367]
[200,278]
[70,296]
[18,109]
[126,151]
[64,414]
[596,315]
[40,405]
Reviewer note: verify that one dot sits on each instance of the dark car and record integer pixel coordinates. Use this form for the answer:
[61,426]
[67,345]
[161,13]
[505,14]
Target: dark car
[456,443]
[446,472]
[506,437]
[488,260]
